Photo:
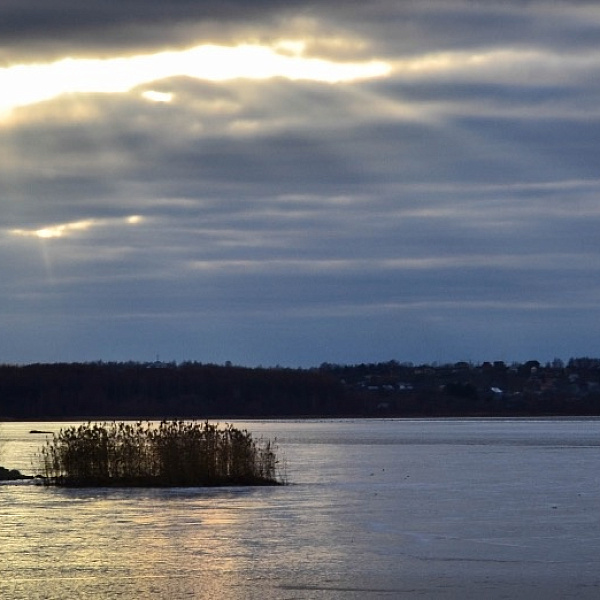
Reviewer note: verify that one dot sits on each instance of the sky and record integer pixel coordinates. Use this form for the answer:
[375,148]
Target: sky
[292,183]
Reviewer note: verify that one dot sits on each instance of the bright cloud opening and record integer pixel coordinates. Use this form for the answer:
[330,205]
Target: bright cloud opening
[155,96]
[65,229]
[28,84]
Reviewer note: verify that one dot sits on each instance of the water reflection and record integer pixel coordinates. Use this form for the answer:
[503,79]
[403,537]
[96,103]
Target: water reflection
[121,542]
[390,509]
[228,543]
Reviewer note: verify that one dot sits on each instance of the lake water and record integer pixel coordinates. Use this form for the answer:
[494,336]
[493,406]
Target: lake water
[441,509]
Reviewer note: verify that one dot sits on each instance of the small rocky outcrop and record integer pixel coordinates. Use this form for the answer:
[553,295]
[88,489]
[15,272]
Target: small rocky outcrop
[12,475]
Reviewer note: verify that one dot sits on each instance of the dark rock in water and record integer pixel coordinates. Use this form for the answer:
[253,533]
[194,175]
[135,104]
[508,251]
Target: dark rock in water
[12,475]
[39,431]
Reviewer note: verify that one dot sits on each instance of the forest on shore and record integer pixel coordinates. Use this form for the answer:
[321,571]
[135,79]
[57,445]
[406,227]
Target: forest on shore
[196,390]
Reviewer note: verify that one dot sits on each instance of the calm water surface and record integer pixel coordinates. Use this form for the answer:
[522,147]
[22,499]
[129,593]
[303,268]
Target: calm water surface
[441,509]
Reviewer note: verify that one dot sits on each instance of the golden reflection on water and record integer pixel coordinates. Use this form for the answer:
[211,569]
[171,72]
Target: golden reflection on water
[70,543]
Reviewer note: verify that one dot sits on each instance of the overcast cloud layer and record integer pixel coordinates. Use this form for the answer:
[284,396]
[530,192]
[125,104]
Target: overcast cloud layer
[407,180]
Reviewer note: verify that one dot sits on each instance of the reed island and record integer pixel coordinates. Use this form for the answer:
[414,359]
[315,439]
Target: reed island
[170,454]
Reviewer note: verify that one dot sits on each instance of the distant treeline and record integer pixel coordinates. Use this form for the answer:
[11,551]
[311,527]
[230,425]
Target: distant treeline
[157,390]
[196,390]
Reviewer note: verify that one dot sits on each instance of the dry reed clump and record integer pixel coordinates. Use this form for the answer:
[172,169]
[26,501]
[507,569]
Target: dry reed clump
[173,454]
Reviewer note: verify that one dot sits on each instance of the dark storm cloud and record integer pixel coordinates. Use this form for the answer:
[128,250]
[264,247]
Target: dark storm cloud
[32,29]
[442,25]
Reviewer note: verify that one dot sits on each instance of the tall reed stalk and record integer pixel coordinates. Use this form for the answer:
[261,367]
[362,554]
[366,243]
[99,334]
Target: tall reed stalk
[173,453]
